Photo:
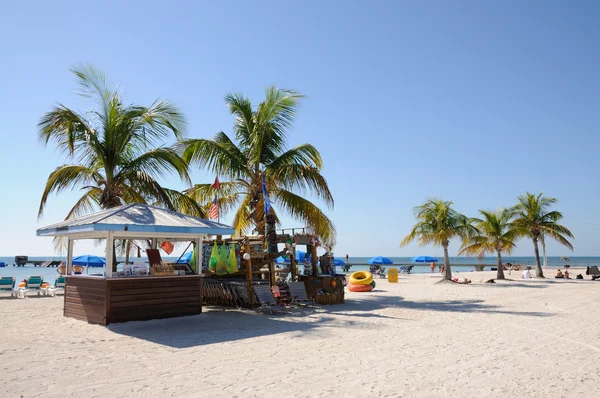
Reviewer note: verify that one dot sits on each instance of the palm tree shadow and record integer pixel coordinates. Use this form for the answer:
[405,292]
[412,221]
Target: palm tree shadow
[217,326]
[368,307]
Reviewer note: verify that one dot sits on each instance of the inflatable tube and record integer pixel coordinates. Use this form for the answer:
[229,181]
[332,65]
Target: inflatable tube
[360,288]
[361,278]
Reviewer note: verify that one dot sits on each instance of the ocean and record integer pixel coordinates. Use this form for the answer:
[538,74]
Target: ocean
[459,264]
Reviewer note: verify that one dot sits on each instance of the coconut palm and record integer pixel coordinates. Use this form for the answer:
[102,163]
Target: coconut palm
[259,147]
[496,234]
[114,149]
[535,219]
[437,223]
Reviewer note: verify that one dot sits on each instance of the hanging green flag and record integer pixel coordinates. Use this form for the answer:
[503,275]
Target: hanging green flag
[222,261]
[232,262]
[214,258]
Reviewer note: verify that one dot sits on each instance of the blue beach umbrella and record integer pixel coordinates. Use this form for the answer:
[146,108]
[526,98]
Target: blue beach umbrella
[299,258]
[380,260]
[185,259]
[89,260]
[424,259]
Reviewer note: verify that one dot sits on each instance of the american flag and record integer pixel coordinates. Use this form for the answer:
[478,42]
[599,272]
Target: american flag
[214,210]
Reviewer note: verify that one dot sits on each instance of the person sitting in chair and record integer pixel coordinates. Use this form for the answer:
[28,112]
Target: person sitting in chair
[559,274]
[567,274]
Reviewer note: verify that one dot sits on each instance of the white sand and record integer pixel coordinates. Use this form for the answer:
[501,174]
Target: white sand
[518,338]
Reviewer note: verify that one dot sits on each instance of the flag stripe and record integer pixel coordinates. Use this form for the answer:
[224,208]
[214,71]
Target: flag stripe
[214,210]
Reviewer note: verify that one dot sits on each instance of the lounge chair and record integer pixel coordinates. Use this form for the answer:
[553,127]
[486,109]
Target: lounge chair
[59,284]
[32,283]
[7,285]
[298,293]
[594,272]
[266,299]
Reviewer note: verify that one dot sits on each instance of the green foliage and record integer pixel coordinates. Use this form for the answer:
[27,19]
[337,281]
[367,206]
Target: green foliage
[437,223]
[116,150]
[259,144]
[534,219]
[495,233]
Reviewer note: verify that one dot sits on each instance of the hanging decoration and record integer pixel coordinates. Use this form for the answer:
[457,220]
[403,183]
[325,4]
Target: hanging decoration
[214,258]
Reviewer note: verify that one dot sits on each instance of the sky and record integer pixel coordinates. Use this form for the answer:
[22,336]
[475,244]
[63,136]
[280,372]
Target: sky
[475,102]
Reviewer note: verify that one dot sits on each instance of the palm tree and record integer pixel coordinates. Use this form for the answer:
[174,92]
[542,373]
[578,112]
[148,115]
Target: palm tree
[437,223]
[535,220]
[114,149]
[259,147]
[496,234]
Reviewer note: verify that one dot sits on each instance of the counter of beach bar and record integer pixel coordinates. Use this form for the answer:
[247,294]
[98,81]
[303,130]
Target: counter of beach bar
[118,298]
[104,300]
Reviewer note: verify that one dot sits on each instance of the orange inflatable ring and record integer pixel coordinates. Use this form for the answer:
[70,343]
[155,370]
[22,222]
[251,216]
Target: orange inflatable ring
[22,284]
[361,278]
[360,288]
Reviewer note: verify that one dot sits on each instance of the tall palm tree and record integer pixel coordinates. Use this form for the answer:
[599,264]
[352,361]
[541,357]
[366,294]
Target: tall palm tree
[259,147]
[535,219]
[437,223]
[496,234]
[114,149]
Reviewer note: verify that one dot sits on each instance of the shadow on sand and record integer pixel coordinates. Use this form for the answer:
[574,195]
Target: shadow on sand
[219,326]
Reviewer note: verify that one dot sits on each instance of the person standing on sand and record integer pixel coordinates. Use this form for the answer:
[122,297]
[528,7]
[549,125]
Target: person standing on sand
[432,265]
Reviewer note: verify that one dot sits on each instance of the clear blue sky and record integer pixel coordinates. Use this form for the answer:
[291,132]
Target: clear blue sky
[472,101]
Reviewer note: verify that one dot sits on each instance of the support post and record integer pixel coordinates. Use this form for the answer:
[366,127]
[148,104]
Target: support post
[293,264]
[249,275]
[109,254]
[199,254]
[69,270]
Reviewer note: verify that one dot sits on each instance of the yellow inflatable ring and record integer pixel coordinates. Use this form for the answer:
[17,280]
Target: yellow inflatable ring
[361,278]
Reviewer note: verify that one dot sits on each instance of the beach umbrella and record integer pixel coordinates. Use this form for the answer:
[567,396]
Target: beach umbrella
[337,261]
[380,260]
[89,260]
[424,259]
[299,258]
[185,259]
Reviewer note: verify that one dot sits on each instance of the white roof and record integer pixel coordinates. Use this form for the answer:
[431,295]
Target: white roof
[136,218]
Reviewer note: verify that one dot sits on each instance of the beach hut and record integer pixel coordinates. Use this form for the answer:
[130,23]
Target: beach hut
[133,298]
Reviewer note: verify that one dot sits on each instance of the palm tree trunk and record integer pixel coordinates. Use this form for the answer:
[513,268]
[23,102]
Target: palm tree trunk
[538,268]
[447,270]
[500,274]
[543,241]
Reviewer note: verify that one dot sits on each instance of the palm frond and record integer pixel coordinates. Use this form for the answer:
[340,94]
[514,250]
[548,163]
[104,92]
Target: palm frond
[208,153]
[67,177]
[306,211]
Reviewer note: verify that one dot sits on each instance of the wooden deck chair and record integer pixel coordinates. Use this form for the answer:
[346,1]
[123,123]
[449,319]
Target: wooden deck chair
[298,293]
[34,284]
[7,285]
[266,299]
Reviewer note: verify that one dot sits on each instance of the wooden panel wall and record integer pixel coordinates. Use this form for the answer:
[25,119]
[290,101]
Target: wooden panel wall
[86,299]
[135,299]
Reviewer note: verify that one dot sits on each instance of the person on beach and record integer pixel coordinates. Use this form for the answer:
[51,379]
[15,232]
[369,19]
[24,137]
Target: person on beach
[567,274]
[432,265]
[559,274]
[526,273]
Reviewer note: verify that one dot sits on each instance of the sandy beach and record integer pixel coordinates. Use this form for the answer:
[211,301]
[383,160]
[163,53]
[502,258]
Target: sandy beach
[519,338]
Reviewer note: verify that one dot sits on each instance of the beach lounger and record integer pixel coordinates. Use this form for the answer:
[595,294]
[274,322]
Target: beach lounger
[7,285]
[59,284]
[594,272]
[265,298]
[34,284]
[298,293]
